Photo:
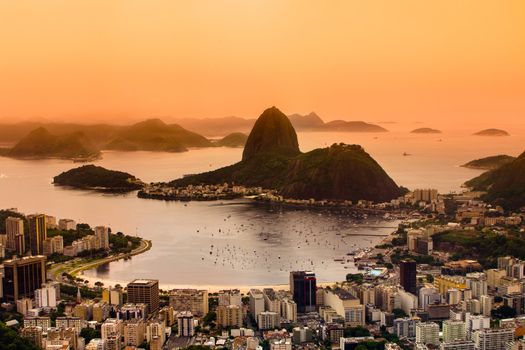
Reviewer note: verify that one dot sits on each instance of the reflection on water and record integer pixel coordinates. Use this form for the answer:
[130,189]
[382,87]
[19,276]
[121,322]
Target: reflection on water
[236,242]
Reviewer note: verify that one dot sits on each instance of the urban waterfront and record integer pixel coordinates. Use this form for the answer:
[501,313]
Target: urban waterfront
[232,230]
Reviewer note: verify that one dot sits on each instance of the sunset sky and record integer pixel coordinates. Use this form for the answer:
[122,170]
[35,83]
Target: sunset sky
[406,60]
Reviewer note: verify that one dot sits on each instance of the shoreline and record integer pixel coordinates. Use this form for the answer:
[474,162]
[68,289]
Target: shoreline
[56,270]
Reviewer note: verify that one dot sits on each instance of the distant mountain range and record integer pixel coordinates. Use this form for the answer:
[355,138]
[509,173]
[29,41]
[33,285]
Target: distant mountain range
[308,122]
[272,160]
[85,142]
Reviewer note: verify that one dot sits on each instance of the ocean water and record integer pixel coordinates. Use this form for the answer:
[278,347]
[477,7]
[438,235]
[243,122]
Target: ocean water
[237,243]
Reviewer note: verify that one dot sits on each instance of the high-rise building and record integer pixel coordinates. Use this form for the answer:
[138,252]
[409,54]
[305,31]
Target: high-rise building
[185,324]
[22,276]
[407,276]
[46,296]
[67,224]
[454,331]
[268,320]
[229,316]
[458,345]
[111,332]
[33,334]
[303,286]
[112,296]
[493,339]
[146,292]
[13,227]
[427,333]
[256,302]
[193,300]
[37,233]
[102,234]
[134,332]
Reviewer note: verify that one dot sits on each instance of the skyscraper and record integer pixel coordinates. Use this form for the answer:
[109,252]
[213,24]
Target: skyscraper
[22,276]
[13,227]
[102,234]
[407,276]
[145,292]
[37,233]
[303,286]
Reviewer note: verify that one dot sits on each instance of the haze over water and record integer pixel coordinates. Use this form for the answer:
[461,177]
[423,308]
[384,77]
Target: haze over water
[251,245]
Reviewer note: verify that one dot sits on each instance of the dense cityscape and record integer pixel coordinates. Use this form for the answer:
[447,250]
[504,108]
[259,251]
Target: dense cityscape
[429,285]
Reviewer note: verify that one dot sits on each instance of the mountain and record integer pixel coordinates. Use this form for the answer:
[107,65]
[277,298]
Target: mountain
[306,122]
[352,126]
[40,143]
[505,186]
[425,131]
[492,132]
[216,126]
[155,135]
[236,139]
[272,160]
[489,163]
[272,133]
[99,178]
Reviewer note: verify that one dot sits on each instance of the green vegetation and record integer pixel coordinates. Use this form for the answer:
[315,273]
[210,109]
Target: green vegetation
[399,255]
[503,312]
[11,340]
[356,332]
[89,333]
[272,160]
[485,247]
[355,277]
[489,163]
[95,177]
[399,313]
[505,186]
[40,143]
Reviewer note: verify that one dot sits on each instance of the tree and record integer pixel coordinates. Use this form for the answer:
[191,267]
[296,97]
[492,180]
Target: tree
[11,340]
[430,278]
[89,333]
[398,313]
[504,311]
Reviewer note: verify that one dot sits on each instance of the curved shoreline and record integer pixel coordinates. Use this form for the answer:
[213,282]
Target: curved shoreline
[57,270]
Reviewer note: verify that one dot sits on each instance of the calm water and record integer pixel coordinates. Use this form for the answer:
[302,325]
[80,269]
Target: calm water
[234,242]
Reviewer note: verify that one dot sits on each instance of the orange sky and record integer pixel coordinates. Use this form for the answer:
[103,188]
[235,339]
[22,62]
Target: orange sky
[406,60]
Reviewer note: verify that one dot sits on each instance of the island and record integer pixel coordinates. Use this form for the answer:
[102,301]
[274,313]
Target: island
[489,163]
[98,178]
[426,131]
[272,160]
[492,132]
[236,139]
[504,186]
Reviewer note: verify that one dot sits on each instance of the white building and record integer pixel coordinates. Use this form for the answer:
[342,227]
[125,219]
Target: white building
[493,339]
[67,224]
[46,297]
[454,331]
[256,302]
[268,320]
[427,333]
